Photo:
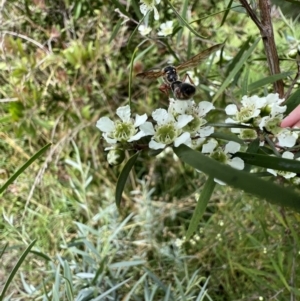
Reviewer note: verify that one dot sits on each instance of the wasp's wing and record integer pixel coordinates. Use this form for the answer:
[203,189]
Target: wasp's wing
[198,58]
[152,73]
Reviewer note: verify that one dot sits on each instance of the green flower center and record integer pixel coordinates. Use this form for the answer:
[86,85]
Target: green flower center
[166,133]
[194,125]
[219,156]
[248,134]
[124,131]
[245,114]
[272,125]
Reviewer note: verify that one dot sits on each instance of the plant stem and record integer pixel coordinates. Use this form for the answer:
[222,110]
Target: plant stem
[266,31]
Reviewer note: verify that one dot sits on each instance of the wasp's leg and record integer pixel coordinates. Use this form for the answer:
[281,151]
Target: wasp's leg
[186,76]
[165,89]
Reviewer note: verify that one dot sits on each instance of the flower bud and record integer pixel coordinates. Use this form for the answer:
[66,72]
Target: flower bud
[115,156]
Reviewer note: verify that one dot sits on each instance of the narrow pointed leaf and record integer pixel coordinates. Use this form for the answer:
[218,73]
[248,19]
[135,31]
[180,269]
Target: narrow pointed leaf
[116,30]
[184,21]
[226,13]
[201,206]
[22,168]
[270,162]
[268,80]
[292,102]
[15,269]
[227,137]
[238,56]
[236,69]
[123,178]
[239,179]
[252,148]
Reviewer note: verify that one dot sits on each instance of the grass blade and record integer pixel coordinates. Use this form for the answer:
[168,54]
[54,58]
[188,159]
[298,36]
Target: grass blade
[123,178]
[15,269]
[27,164]
[201,206]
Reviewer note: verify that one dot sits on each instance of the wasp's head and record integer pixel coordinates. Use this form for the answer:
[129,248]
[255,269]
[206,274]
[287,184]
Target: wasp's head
[170,74]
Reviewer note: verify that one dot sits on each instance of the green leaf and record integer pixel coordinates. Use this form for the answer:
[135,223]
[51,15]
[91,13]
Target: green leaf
[276,163]
[123,178]
[130,74]
[184,21]
[227,137]
[244,88]
[116,30]
[3,250]
[238,56]
[253,147]
[236,69]
[22,168]
[15,269]
[292,102]
[268,80]
[121,7]
[226,13]
[293,1]
[239,179]
[201,206]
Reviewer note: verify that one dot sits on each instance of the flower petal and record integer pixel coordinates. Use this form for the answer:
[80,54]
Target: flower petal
[236,163]
[182,139]
[204,107]
[140,119]
[272,171]
[288,155]
[209,147]
[124,113]
[232,147]
[105,124]
[108,139]
[219,181]
[147,128]
[161,116]
[287,138]
[183,120]
[156,15]
[231,109]
[137,136]
[155,145]
[206,131]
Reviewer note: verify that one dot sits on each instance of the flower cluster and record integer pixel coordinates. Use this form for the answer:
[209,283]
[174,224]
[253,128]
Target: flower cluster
[183,122]
[166,29]
[261,114]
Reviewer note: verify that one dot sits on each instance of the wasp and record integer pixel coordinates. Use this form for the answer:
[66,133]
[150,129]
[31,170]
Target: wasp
[181,89]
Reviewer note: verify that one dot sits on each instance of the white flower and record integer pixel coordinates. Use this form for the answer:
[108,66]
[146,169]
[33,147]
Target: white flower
[224,156]
[287,138]
[125,130]
[271,124]
[198,111]
[166,29]
[149,5]
[273,98]
[144,29]
[285,174]
[251,107]
[167,130]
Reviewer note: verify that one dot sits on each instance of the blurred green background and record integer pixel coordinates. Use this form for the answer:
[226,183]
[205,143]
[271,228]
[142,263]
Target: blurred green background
[64,64]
